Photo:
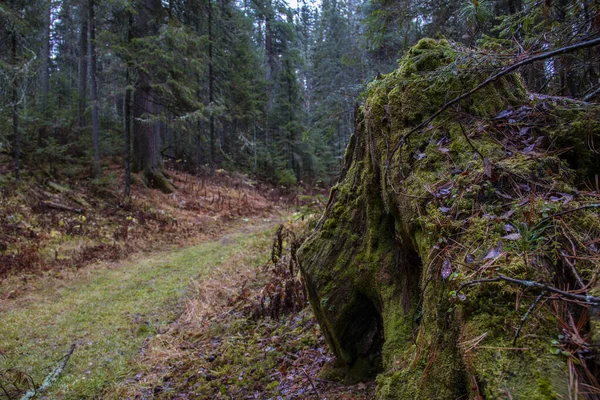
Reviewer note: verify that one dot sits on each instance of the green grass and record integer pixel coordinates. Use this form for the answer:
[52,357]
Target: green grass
[108,314]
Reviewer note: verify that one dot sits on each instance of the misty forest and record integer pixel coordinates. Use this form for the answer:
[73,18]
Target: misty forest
[300,199]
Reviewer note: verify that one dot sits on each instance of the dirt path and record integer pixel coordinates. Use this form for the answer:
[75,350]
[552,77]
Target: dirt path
[107,313]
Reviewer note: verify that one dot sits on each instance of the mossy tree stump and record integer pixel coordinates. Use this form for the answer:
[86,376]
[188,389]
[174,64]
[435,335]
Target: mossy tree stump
[390,268]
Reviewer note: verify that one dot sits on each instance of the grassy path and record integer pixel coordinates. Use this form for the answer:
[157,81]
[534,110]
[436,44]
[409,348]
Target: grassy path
[109,313]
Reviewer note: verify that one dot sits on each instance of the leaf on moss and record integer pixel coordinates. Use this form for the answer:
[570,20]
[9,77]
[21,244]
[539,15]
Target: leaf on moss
[446,269]
[494,252]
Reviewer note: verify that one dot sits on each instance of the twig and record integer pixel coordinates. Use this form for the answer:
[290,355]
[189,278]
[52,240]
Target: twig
[476,282]
[51,378]
[469,141]
[584,298]
[312,384]
[595,205]
[573,269]
[504,348]
[8,396]
[529,311]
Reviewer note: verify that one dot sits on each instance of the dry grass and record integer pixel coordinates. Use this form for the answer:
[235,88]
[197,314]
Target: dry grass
[107,311]
[219,348]
[50,226]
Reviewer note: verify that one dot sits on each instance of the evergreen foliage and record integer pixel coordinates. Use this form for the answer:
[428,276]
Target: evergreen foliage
[256,86]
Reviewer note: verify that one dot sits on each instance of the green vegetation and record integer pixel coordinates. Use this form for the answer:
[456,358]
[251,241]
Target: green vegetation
[244,332]
[406,268]
[458,249]
[108,311]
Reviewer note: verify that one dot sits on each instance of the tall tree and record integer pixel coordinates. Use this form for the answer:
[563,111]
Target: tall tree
[15,97]
[128,105]
[83,64]
[211,88]
[94,88]
[146,104]
[46,56]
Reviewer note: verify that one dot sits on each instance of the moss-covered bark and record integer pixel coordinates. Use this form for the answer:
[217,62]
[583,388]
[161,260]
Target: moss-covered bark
[374,264]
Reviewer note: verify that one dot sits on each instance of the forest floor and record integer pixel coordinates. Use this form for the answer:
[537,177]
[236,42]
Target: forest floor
[171,314]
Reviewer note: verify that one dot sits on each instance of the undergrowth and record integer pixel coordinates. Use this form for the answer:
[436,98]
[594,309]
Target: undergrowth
[246,332]
[49,226]
[107,312]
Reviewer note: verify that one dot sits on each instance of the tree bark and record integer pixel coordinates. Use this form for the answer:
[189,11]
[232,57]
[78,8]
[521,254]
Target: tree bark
[291,135]
[127,115]
[15,101]
[46,58]
[127,146]
[211,88]
[146,130]
[94,89]
[83,66]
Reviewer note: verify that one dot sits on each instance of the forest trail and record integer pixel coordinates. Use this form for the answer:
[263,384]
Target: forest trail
[109,309]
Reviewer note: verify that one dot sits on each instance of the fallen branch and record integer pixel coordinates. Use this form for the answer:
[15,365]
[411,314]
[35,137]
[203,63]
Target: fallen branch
[78,199]
[312,384]
[51,378]
[57,187]
[579,297]
[61,207]
[529,311]
[591,95]
[588,206]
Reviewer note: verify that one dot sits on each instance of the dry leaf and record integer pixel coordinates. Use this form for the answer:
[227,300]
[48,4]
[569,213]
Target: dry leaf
[513,236]
[446,269]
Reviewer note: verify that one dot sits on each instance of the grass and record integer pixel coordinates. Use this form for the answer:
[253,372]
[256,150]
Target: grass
[109,314]
[225,345]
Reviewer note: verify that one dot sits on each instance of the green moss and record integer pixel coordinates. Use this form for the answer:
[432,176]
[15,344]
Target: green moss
[385,249]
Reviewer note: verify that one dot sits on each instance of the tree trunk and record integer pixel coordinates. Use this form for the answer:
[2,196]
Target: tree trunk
[211,88]
[291,135]
[15,103]
[146,129]
[94,89]
[127,147]
[46,59]
[83,66]
[199,146]
[127,116]
[147,144]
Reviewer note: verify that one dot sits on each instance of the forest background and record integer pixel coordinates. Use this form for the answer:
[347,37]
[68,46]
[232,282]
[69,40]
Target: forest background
[256,86]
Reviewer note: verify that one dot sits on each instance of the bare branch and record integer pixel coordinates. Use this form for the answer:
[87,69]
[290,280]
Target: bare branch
[588,299]
[51,378]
